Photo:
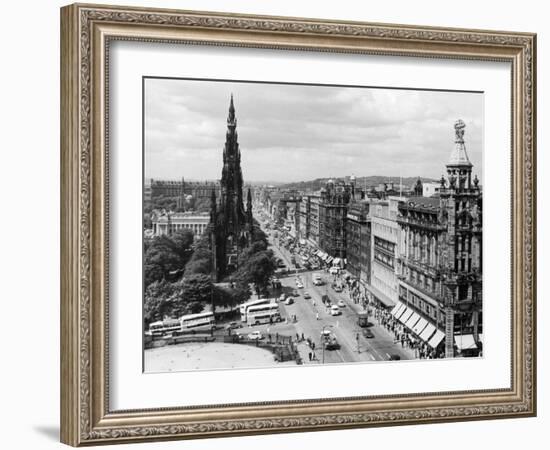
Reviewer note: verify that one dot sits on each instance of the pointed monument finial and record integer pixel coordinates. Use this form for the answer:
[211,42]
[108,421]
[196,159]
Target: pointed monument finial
[231,116]
[459,156]
[459,131]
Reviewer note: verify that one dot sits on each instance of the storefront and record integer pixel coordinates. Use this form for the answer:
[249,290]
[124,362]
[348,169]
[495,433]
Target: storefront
[379,298]
[418,325]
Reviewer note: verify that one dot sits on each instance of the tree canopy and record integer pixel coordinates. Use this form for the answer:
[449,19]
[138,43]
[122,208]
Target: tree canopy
[166,254]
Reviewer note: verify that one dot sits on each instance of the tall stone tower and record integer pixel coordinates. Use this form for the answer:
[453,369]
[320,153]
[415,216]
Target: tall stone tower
[461,201]
[232,226]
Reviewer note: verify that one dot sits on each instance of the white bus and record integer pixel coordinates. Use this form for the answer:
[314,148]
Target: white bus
[162,327]
[244,307]
[259,314]
[197,322]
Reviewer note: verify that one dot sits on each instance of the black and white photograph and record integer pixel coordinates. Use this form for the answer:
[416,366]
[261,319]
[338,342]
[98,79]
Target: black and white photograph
[289,225]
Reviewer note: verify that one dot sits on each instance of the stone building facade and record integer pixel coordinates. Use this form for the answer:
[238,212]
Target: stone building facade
[440,255]
[333,210]
[357,233]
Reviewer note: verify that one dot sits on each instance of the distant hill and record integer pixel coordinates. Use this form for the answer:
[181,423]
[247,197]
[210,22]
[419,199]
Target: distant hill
[374,180]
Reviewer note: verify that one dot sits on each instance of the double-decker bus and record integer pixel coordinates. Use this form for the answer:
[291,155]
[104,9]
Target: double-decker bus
[163,327]
[197,322]
[268,313]
[244,307]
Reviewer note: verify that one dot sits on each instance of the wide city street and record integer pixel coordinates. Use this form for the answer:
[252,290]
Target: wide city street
[310,318]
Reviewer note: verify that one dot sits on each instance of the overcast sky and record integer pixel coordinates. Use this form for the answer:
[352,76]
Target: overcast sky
[293,133]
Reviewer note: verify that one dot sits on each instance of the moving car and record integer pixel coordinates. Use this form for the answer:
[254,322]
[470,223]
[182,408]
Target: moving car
[337,288]
[289,301]
[341,303]
[233,325]
[368,333]
[394,357]
[255,335]
[282,298]
[306,295]
[299,285]
[332,344]
[335,310]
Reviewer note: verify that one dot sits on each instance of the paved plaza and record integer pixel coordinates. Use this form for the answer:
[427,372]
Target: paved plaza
[207,356]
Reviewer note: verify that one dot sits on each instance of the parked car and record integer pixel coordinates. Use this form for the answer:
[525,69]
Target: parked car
[306,295]
[335,310]
[299,285]
[341,303]
[295,293]
[337,288]
[394,357]
[255,335]
[368,333]
[289,301]
[282,298]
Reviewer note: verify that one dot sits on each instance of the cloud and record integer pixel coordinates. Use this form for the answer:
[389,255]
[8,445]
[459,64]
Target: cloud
[297,132]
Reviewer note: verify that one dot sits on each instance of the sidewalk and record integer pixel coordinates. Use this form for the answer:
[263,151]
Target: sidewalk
[304,350]
[357,308]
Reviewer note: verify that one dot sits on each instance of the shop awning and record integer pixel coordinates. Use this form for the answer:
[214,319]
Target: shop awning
[465,341]
[381,297]
[406,315]
[400,311]
[396,308]
[427,332]
[419,327]
[412,320]
[436,339]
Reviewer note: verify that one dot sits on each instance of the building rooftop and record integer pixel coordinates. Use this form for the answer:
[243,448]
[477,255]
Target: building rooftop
[422,202]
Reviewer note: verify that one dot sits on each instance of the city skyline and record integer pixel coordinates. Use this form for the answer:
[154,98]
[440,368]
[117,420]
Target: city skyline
[322,131]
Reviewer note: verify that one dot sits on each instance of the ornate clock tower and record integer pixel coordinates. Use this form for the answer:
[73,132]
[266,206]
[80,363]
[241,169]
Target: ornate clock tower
[461,201]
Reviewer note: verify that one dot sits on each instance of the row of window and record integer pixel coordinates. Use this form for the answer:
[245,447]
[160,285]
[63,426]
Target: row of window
[384,244]
[421,305]
[384,259]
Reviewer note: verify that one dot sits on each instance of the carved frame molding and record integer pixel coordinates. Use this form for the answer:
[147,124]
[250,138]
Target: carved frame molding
[86,31]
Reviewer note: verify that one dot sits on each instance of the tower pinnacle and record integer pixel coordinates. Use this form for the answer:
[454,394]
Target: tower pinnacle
[231,120]
[459,157]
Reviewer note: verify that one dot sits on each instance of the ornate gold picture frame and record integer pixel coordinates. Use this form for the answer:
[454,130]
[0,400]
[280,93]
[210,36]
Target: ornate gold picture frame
[87,32]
